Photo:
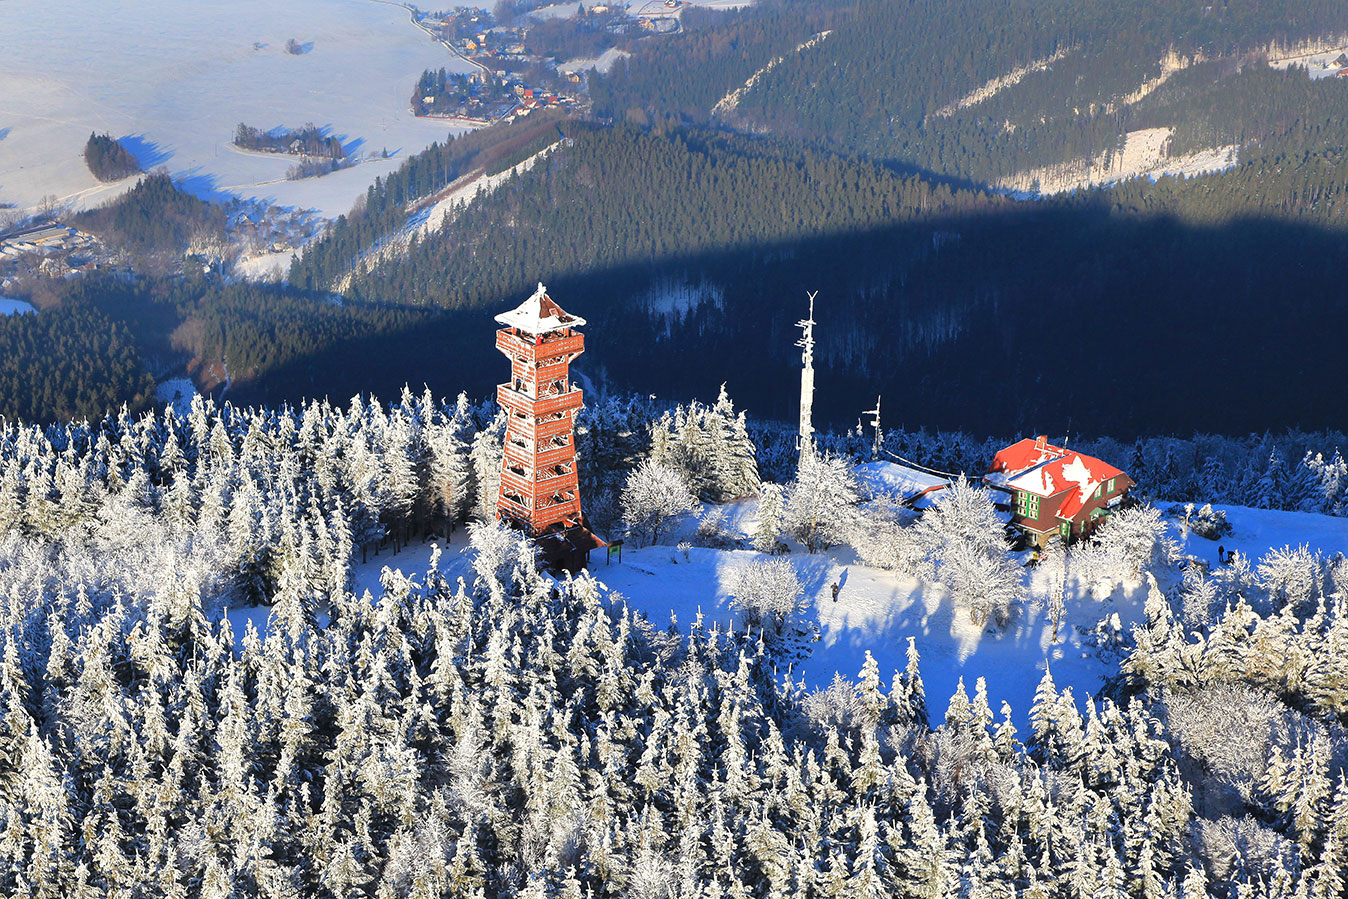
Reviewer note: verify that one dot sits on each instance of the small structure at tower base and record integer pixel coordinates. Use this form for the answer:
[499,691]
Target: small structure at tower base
[568,550]
[540,491]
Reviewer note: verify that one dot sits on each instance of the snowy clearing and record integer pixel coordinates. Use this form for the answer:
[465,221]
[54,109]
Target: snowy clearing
[1000,83]
[15,307]
[601,63]
[431,218]
[1318,58]
[173,80]
[264,266]
[1145,154]
[732,99]
[877,611]
[178,393]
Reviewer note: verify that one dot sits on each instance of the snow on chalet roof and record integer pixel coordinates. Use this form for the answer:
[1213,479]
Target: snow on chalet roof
[1043,469]
[539,315]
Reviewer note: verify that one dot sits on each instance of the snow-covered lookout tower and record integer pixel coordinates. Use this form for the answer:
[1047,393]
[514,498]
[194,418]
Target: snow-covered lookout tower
[539,488]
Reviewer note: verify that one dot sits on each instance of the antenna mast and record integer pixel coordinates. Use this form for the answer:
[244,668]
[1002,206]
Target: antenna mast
[805,441]
[875,423]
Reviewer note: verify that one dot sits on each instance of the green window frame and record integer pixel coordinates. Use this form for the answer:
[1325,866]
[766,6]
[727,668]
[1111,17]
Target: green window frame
[1111,485]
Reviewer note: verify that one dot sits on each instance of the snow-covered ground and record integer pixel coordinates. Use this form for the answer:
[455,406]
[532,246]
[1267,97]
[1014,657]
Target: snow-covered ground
[877,611]
[996,85]
[601,63]
[177,392]
[264,266]
[1317,58]
[15,307]
[174,79]
[1145,153]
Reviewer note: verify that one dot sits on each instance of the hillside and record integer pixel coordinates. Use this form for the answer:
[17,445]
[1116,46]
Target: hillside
[967,310]
[991,91]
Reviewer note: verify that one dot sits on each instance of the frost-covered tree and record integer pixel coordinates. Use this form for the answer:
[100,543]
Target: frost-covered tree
[768,593]
[654,494]
[821,506]
[767,536]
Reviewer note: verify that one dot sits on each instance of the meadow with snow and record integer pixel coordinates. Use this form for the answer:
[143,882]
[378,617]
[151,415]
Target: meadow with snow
[173,80]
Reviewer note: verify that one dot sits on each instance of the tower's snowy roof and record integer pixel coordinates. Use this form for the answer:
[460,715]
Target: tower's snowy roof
[539,315]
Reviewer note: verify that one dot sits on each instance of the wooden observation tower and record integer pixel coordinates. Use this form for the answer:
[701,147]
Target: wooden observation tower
[540,493]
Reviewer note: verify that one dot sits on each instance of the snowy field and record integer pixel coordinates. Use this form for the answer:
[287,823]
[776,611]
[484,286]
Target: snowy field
[877,611]
[15,307]
[174,79]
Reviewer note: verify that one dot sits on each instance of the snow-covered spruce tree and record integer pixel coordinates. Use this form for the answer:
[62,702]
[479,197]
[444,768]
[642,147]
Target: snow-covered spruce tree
[966,552]
[486,455]
[884,538]
[710,446]
[768,595]
[767,536]
[1131,541]
[654,494]
[821,505]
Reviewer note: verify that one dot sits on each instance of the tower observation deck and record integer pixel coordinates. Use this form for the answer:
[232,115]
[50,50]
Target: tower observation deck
[540,492]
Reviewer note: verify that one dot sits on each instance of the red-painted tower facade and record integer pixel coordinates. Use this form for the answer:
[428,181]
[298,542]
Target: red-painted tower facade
[540,493]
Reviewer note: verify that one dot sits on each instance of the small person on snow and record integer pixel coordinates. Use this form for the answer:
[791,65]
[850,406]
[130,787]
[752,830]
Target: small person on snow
[835,591]
[1221,554]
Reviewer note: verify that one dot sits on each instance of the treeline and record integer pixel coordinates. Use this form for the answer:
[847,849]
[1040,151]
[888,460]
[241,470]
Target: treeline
[154,217]
[1265,111]
[69,362]
[621,196]
[308,140]
[584,36]
[107,159]
[680,77]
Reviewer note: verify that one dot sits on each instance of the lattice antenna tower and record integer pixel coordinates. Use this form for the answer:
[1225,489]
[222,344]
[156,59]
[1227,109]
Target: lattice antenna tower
[805,440]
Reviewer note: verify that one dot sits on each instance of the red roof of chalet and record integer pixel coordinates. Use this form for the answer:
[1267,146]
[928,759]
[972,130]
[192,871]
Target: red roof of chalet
[1037,466]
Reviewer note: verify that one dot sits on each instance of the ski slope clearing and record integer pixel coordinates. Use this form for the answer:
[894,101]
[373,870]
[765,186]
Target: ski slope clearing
[173,80]
[1000,83]
[731,100]
[432,215]
[877,611]
[1145,154]
[601,63]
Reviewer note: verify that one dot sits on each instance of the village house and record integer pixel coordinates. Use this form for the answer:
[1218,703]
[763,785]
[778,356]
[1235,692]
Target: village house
[1053,491]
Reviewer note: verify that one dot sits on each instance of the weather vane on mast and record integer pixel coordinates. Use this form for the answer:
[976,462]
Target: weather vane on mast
[805,441]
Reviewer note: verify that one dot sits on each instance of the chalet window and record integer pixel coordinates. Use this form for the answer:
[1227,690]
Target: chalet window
[1111,485]
[1098,490]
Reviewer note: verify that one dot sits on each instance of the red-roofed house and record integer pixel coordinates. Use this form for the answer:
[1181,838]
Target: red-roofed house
[1052,490]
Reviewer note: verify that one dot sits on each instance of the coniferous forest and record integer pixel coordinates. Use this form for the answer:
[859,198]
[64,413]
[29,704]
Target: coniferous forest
[507,733]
